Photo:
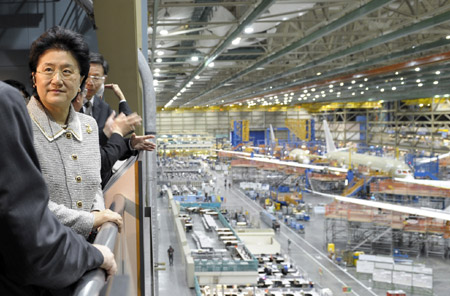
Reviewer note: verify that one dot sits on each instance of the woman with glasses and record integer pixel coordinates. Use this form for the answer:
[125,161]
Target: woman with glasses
[66,141]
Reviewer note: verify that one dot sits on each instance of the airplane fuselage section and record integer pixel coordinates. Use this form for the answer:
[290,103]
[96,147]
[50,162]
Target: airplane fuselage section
[393,167]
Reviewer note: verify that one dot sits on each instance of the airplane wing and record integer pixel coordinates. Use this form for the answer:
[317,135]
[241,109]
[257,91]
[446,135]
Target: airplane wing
[431,159]
[445,184]
[430,213]
[297,164]
[243,154]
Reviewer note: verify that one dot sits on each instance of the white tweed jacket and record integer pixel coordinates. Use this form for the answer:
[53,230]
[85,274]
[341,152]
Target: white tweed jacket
[70,163]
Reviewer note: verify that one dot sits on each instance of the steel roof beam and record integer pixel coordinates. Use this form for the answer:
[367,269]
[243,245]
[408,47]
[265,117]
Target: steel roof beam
[438,43]
[339,23]
[261,8]
[359,47]
[155,24]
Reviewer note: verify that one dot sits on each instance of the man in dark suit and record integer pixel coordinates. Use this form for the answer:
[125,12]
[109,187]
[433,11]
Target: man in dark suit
[113,146]
[94,105]
[37,253]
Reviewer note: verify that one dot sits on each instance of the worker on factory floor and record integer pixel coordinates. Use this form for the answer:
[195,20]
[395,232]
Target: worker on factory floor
[289,244]
[170,253]
[225,182]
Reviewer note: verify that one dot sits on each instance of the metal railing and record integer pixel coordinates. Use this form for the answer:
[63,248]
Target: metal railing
[94,281]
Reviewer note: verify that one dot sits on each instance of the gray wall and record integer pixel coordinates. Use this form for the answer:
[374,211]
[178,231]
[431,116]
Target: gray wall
[21,23]
[219,123]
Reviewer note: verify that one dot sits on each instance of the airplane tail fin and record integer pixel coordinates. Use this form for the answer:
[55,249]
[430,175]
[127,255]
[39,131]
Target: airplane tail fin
[328,138]
[272,134]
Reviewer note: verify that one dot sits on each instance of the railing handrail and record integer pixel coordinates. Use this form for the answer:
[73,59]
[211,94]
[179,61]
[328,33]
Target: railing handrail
[93,281]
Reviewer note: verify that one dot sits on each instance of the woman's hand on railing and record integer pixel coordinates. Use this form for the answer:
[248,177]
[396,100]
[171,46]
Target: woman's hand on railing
[109,263]
[107,216]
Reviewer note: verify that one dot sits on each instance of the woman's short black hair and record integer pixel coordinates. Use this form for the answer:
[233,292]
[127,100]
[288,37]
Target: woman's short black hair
[97,58]
[63,39]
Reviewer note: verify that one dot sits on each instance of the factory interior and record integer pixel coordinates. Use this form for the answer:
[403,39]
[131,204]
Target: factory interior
[311,158]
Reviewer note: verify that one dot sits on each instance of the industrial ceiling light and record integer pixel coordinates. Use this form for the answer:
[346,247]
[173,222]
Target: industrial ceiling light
[160,52]
[211,65]
[194,58]
[236,41]
[197,77]
[438,72]
[435,82]
[158,60]
[248,30]
[163,32]
[417,69]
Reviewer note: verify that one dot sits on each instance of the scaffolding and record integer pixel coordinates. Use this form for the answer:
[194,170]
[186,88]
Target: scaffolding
[376,231]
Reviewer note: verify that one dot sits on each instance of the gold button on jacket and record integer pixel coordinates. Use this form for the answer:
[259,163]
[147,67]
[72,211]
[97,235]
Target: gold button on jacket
[74,156]
[68,135]
[78,178]
[79,204]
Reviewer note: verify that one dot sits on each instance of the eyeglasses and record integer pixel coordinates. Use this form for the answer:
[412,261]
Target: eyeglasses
[96,79]
[65,74]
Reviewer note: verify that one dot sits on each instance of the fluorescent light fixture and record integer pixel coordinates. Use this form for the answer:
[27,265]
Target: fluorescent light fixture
[236,41]
[417,69]
[194,58]
[160,52]
[163,32]
[211,65]
[158,60]
[197,77]
[435,82]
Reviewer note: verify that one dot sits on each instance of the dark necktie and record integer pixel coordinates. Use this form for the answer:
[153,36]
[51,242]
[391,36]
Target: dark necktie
[88,108]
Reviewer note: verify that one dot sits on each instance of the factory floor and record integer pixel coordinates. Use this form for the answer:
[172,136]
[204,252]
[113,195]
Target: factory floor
[171,281]
[306,250]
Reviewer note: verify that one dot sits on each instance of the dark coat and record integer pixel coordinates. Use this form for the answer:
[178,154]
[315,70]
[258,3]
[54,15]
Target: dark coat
[37,253]
[101,111]
[116,148]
